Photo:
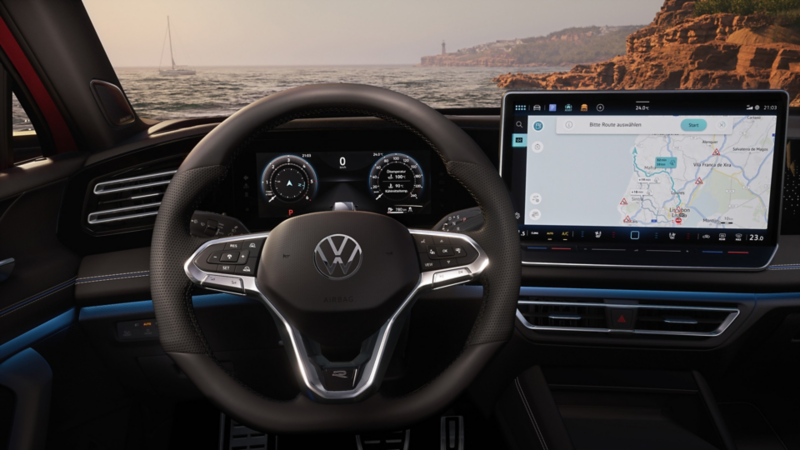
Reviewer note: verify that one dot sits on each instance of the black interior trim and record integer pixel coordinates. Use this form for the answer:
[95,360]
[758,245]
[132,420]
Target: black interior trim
[29,376]
[82,52]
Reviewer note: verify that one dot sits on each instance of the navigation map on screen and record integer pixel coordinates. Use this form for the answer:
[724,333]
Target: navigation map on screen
[649,171]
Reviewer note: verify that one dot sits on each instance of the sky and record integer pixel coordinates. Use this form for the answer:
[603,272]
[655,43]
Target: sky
[334,32]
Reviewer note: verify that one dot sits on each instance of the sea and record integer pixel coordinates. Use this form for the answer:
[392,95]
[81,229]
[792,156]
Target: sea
[221,91]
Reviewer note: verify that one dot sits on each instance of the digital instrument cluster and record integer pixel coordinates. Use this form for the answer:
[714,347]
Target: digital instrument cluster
[384,182]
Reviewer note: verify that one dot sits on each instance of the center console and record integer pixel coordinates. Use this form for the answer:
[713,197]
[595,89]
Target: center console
[679,179]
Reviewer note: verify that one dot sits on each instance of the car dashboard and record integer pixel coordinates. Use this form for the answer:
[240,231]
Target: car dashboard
[610,318]
[336,163]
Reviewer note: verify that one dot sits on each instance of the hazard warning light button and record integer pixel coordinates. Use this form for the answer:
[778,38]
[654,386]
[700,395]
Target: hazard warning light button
[622,318]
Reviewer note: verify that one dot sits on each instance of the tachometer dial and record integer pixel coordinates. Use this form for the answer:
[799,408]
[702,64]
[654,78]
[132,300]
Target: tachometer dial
[396,177]
[289,179]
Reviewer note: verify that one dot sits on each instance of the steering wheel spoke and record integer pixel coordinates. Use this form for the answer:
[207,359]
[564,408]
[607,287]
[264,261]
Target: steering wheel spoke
[227,264]
[230,265]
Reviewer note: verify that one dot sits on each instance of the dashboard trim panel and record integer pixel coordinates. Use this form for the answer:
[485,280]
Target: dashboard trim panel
[632,266]
[733,313]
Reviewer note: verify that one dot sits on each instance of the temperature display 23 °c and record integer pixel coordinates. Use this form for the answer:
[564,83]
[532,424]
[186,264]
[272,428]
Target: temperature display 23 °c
[396,178]
[289,179]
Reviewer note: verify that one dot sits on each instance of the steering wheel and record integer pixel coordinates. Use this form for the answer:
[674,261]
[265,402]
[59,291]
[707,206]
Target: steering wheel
[337,278]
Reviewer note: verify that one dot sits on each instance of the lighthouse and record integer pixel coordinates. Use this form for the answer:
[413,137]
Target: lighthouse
[443,50]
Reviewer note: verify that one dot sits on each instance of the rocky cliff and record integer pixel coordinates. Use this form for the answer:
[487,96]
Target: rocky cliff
[561,48]
[681,51]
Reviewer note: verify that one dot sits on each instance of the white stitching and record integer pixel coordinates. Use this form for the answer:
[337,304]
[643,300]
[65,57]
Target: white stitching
[112,274]
[112,279]
[530,414]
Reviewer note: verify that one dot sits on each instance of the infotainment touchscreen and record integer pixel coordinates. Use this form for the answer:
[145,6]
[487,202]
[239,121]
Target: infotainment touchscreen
[683,179]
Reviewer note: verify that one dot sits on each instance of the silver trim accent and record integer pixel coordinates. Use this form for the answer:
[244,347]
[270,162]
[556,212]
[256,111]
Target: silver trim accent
[99,188]
[733,313]
[443,444]
[563,317]
[632,266]
[337,256]
[681,321]
[377,354]
[406,440]
[93,218]
[154,194]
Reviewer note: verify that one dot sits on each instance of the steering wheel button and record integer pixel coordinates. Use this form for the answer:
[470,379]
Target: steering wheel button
[226,268]
[451,277]
[224,283]
[430,265]
[229,257]
[444,251]
[243,257]
[249,268]
[431,251]
[423,241]
[254,245]
[214,258]
[234,246]
[450,262]
[439,240]
[459,252]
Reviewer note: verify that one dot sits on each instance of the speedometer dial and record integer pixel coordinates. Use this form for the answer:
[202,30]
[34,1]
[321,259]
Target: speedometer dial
[396,177]
[289,179]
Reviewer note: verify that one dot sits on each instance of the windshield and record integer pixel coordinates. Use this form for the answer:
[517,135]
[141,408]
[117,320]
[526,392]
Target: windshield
[189,58]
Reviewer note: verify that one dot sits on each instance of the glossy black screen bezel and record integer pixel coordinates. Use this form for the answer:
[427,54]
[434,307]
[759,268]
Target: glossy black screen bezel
[660,102]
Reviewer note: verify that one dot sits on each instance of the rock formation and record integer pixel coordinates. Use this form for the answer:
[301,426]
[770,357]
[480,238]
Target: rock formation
[560,48]
[681,51]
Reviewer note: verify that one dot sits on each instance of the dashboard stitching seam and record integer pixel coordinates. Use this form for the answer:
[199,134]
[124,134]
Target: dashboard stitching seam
[112,274]
[112,279]
[530,413]
[37,299]
[34,296]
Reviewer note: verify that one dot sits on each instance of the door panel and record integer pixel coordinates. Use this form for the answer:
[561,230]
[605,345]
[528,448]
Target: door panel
[41,284]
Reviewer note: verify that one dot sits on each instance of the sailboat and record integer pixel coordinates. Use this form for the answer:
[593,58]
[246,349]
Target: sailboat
[176,70]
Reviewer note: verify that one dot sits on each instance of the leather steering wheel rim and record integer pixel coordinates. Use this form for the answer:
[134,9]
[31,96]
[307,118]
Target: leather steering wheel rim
[208,164]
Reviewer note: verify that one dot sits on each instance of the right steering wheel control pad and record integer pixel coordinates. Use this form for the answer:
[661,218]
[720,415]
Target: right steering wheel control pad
[440,252]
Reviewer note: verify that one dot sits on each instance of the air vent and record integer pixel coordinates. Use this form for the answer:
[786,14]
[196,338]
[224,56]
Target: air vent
[561,315]
[127,203]
[134,183]
[582,316]
[127,213]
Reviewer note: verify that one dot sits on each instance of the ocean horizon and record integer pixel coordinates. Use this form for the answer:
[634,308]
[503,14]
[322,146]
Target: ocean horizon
[223,90]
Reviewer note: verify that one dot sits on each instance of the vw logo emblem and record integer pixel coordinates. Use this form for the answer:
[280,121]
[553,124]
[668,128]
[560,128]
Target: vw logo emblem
[337,257]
